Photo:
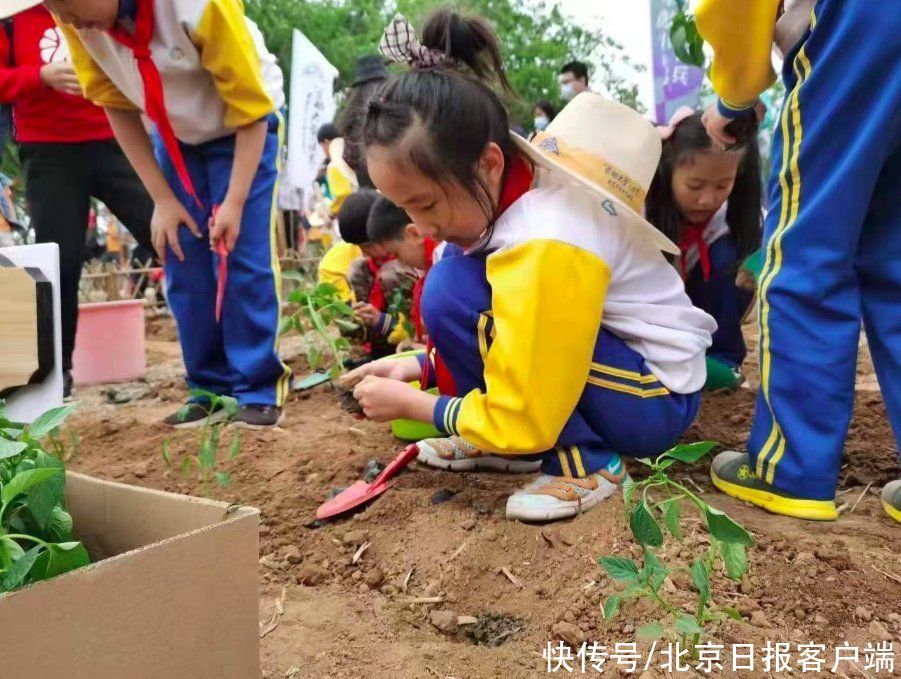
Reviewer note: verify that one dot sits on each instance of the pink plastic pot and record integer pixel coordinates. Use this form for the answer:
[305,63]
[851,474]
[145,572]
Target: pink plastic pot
[109,344]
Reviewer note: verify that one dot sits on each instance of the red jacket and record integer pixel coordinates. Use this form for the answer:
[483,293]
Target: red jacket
[40,113]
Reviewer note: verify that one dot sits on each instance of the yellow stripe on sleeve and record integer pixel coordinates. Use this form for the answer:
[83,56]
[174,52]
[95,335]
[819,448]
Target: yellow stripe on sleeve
[95,84]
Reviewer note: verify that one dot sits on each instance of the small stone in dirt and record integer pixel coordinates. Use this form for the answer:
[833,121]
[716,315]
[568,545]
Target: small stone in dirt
[864,614]
[802,557]
[491,535]
[373,469]
[293,555]
[481,508]
[140,470]
[126,394]
[445,621]
[316,523]
[469,524]
[355,537]
[443,496]
[819,619]
[569,633]
[431,589]
[310,574]
[375,577]
[758,619]
[747,606]
[895,618]
[878,631]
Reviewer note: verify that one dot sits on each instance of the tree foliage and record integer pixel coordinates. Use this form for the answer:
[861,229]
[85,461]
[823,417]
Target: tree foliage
[537,39]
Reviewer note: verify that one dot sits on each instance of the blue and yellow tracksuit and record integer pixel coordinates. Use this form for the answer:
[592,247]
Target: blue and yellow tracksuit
[569,339]
[832,236]
[217,76]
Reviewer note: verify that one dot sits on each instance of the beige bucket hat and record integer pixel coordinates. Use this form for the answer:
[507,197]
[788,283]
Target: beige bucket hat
[607,148]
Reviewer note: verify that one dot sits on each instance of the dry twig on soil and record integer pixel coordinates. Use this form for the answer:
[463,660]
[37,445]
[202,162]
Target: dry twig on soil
[865,491]
[276,615]
[512,578]
[359,553]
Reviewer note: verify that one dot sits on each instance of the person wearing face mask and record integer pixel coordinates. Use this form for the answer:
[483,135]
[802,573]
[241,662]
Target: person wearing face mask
[544,114]
[573,79]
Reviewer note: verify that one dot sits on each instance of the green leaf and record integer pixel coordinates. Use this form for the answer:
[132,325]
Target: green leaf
[47,422]
[650,631]
[12,548]
[314,357]
[672,513]
[652,564]
[184,411]
[690,453]
[18,571]
[701,578]
[59,526]
[223,479]
[11,448]
[611,607]
[725,529]
[207,457]
[25,481]
[735,558]
[628,491]
[229,404]
[186,465]
[293,276]
[732,613]
[235,449]
[62,558]
[644,527]
[619,568]
[167,454]
[44,497]
[685,624]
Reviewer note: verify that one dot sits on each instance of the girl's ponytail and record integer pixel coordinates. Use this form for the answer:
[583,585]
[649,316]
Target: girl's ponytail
[469,44]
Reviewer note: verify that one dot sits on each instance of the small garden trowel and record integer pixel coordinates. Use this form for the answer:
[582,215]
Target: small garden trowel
[361,492]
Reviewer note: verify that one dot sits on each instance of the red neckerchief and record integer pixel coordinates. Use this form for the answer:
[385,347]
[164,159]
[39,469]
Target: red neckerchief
[376,294]
[155,104]
[693,235]
[518,183]
[415,315]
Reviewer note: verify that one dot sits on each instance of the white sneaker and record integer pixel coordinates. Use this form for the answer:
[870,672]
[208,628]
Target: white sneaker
[551,498]
[456,455]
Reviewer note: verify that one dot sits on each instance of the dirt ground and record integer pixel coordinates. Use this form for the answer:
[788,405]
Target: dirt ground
[825,583]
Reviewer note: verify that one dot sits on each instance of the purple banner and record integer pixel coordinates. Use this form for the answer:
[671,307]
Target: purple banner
[675,84]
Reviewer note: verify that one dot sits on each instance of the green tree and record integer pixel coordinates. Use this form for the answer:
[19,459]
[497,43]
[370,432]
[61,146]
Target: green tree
[537,39]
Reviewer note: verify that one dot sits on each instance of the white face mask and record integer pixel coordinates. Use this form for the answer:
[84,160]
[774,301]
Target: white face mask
[567,91]
[541,123]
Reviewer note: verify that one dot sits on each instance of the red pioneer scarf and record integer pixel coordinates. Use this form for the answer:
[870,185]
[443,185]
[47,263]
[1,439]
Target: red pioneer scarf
[693,235]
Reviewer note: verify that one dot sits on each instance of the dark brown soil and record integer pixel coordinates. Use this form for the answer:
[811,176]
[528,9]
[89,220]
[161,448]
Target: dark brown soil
[826,583]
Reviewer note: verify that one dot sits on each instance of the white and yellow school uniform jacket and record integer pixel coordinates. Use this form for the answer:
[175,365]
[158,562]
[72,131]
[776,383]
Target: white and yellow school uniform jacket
[560,267]
[217,74]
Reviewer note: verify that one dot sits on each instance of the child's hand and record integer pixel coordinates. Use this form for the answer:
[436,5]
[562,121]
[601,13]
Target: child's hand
[385,399]
[168,216]
[366,313]
[226,225]
[401,369]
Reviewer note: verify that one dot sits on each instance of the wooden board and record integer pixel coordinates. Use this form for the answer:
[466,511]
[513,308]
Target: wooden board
[26,327]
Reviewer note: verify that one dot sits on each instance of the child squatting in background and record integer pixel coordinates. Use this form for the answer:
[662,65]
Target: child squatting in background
[199,69]
[568,335]
[391,227]
[709,202]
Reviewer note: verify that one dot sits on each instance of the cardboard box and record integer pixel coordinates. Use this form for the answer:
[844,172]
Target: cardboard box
[172,592]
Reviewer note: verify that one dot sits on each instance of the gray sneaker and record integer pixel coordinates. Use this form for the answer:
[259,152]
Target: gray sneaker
[257,416]
[891,499]
[732,473]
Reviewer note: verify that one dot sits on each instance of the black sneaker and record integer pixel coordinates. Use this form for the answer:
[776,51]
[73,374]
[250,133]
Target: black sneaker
[256,416]
[68,383]
[195,415]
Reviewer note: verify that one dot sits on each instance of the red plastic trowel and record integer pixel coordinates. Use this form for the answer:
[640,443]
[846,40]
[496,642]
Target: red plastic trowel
[222,250]
[361,492]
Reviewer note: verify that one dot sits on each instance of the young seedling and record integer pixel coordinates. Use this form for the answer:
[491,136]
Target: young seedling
[35,528]
[205,460]
[659,496]
[318,307]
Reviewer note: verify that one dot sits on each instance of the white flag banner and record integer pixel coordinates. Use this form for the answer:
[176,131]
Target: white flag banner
[312,105]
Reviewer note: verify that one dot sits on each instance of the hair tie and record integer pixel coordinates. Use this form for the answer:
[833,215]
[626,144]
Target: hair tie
[683,112]
[399,43]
